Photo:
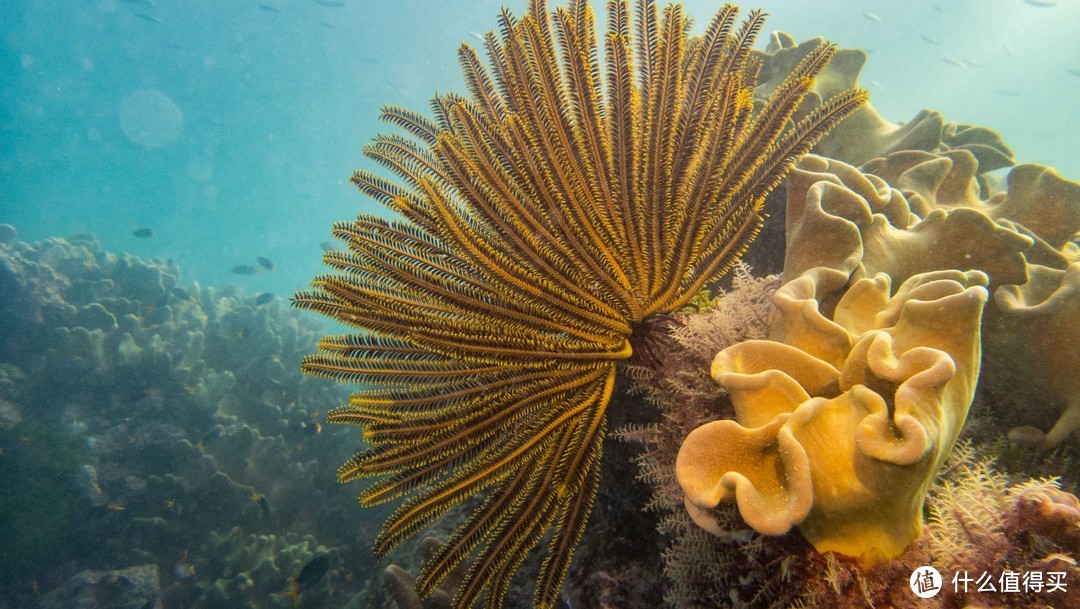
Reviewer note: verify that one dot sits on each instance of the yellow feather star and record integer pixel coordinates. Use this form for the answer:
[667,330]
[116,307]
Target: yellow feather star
[542,220]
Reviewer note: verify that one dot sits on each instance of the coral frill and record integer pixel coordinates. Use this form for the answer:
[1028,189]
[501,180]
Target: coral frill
[842,423]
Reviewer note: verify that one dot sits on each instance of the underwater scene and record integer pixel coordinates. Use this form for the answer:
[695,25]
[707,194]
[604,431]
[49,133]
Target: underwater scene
[568,304]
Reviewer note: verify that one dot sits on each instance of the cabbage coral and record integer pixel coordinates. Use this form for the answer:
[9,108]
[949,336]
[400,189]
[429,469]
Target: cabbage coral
[842,421]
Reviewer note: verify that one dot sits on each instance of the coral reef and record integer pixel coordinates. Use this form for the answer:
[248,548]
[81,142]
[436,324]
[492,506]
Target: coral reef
[841,423]
[1039,320]
[896,216]
[140,420]
[253,571]
[978,522]
[858,223]
[866,135]
[548,225]
[995,544]
[914,212]
[137,587]
[702,569]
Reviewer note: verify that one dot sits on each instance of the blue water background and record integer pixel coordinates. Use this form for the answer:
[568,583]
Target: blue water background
[277,97]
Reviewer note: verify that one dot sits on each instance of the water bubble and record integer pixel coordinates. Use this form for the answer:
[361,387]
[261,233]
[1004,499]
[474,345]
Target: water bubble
[150,118]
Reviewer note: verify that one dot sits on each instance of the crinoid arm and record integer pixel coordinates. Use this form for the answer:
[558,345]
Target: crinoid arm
[538,222]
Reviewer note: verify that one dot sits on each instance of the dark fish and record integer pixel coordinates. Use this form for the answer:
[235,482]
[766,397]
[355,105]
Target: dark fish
[311,574]
[150,18]
[1073,71]
[263,298]
[1041,3]
[268,8]
[260,499]
[331,3]
[327,246]
[143,2]
[929,40]
[244,269]
[266,263]
[143,233]
[1007,92]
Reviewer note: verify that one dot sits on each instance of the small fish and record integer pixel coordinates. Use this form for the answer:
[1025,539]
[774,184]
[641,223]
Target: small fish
[1073,71]
[328,247]
[266,263]
[144,233]
[183,568]
[310,428]
[116,506]
[877,84]
[263,298]
[149,18]
[310,575]
[142,2]
[1007,92]
[244,269]
[973,63]
[477,35]
[954,62]
[1041,3]
[1008,49]
[872,16]
[268,8]
[929,40]
[331,3]
[264,505]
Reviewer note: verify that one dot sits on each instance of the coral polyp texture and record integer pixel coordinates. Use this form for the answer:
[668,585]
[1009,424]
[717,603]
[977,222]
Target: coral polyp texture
[544,221]
[896,214]
[841,421]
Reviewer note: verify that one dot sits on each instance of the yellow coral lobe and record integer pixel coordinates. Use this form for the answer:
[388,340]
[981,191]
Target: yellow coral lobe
[846,452]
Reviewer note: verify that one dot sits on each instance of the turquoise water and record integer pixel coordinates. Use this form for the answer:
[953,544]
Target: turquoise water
[195,153]
[271,107]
